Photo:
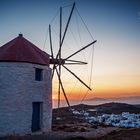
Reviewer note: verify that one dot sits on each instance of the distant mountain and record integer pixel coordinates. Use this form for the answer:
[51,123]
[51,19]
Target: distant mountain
[107,108]
[128,98]
[114,99]
[111,107]
[97,99]
[117,108]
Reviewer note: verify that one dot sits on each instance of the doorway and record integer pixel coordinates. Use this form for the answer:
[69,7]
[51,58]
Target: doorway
[36,116]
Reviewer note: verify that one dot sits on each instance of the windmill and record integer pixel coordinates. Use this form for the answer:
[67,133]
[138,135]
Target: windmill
[58,62]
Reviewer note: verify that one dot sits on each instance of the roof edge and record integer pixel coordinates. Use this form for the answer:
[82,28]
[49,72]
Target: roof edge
[23,62]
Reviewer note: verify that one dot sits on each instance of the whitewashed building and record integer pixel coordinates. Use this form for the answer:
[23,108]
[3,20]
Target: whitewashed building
[25,88]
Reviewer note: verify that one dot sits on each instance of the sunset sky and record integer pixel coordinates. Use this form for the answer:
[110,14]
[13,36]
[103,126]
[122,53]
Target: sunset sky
[115,24]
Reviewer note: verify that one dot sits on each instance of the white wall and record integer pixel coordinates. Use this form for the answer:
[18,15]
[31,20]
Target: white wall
[18,89]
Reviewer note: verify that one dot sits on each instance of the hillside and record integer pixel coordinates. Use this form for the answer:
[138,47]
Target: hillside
[116,108]
[68,124]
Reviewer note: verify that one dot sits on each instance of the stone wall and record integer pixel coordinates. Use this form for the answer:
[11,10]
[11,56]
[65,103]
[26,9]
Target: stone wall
[18,89]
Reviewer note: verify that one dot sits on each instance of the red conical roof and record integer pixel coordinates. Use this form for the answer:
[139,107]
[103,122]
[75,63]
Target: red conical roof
[21,50]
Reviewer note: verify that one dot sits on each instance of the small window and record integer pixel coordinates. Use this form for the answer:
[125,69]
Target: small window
[38,74]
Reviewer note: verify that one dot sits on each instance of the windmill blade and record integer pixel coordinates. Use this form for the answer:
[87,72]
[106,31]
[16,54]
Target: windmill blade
[51,42]
[53,70]
[66,28]
[51,50]
[80,50]
[59,86]
[76,62]
[60,32]
[77,77]
[62,88]
[59,55]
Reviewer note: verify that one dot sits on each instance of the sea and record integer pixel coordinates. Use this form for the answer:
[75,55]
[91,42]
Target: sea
[133,101]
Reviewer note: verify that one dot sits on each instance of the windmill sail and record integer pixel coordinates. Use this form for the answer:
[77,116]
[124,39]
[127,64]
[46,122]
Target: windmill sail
[58,62]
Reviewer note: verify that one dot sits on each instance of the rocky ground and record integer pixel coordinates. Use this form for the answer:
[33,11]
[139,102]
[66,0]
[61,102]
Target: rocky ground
[65,120]
[73,126]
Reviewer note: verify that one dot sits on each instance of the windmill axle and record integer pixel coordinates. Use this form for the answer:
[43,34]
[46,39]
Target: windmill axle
[57,61]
